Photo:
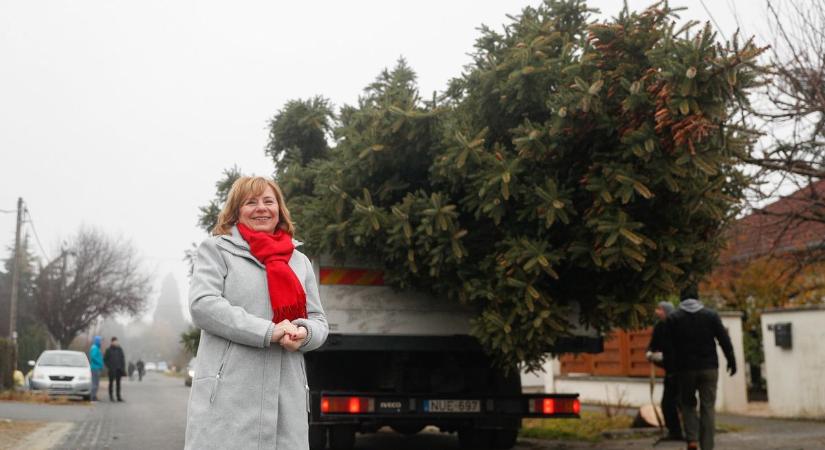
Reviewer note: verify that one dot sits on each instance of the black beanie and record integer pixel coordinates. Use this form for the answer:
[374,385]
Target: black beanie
[689,291]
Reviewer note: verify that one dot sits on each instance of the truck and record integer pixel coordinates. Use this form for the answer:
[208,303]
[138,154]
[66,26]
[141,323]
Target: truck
[406,360]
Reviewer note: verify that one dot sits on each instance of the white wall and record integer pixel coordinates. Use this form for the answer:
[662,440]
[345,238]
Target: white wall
[796,376]
[594,390]
[611,390]
[732,392]
[541,382]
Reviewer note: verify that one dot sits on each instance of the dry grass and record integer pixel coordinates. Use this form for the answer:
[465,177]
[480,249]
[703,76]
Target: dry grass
[588,428]
[34,397]
[13,432]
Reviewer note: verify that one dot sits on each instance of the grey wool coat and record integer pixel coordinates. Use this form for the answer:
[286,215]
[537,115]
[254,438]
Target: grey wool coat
[247,394]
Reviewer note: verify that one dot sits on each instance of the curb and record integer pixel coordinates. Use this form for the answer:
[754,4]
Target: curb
[45,438]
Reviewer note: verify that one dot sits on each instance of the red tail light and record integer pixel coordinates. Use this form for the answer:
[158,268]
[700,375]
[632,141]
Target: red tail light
[347,405]
[550,406]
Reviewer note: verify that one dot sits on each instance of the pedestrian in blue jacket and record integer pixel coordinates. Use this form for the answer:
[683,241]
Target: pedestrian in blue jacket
[96,361]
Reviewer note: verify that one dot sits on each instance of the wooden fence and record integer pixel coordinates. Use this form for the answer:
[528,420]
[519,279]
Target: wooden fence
[623,356]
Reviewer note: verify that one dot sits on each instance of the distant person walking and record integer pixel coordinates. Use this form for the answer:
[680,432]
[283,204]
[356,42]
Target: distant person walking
[96,363]
[693,332]
[660,353]
[116,364]
[141,369]
[130,369]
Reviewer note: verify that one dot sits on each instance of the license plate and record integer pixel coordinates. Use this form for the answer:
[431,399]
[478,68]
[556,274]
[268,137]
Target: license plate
[61,386]
[452,406]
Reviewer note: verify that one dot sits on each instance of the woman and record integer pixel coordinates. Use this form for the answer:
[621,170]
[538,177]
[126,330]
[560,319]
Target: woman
[256,299]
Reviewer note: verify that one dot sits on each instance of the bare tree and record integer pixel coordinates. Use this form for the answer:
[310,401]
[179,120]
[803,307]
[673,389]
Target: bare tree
[95,276]
[790,166]
[796,109]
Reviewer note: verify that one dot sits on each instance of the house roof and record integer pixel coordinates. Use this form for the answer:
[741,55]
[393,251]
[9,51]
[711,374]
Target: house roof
[791,224]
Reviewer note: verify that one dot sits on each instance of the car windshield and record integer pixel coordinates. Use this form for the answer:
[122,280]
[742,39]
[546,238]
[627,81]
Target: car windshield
[64,360]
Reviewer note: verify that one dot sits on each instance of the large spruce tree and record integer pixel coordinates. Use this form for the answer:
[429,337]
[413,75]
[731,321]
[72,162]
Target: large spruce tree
[573,165]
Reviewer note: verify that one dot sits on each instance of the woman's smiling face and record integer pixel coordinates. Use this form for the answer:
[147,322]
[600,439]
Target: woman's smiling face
[260,213]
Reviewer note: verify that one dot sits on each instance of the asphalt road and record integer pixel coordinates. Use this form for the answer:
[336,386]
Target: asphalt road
[154,417]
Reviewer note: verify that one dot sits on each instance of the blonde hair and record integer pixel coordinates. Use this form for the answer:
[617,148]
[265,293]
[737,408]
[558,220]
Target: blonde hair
[242,189]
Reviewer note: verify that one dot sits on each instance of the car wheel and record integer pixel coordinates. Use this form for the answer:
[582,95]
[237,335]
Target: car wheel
[87,397]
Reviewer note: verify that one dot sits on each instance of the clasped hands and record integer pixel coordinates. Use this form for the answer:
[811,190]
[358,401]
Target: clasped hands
[289,335]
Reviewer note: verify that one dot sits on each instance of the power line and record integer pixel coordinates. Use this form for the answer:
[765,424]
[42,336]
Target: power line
[735,12]
[8,211]
[718,28]
[36,237]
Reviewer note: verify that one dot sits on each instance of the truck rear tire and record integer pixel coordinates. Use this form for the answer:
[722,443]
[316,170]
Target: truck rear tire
[504,439]
[474,439]
[341,437]
[317,437]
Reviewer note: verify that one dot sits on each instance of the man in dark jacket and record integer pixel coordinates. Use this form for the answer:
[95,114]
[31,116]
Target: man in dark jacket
[693,331]
[116,364]
[660,353]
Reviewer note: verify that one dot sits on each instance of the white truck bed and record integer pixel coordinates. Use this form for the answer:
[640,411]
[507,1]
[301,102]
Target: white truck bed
[379,310]
[383,311]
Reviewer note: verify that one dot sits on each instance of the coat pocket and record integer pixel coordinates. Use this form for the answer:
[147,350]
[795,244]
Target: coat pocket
[224,358]
[306,384]
[199,403]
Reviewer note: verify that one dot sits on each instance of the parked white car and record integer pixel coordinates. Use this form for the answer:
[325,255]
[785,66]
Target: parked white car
[62,372]
[151,367]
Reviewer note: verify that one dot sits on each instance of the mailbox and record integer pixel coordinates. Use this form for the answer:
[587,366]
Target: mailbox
[782,335]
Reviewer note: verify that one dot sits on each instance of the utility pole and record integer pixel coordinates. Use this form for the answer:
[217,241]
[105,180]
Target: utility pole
[15,276]
[63,257]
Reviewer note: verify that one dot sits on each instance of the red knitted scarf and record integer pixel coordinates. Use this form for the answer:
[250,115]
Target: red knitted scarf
[273,250]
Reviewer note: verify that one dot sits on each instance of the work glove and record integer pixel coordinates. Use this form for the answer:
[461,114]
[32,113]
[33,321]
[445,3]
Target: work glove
[655,357]
[732,368]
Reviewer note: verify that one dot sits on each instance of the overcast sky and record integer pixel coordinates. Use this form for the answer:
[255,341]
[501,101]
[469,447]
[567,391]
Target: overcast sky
[122,114]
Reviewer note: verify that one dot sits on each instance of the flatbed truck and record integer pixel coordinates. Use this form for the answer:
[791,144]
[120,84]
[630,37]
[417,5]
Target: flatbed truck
[406,360]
